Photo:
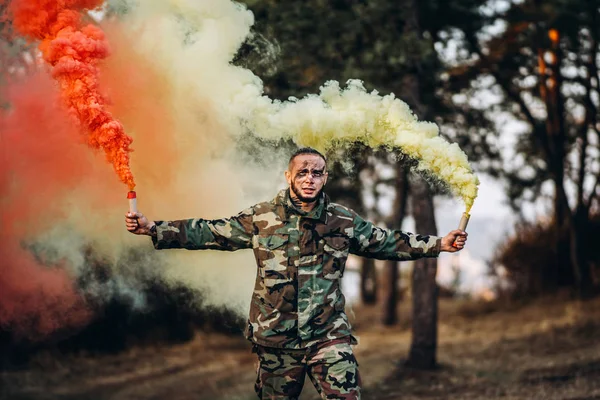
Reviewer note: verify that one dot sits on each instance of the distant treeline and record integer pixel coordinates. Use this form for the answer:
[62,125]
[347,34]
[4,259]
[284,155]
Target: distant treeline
[172,313]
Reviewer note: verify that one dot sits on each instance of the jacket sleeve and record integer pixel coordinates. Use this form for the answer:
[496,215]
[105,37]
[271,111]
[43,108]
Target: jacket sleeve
[227,234]
[386,244]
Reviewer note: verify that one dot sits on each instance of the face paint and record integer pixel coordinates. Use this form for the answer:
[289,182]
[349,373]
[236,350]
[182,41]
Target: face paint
[307,176]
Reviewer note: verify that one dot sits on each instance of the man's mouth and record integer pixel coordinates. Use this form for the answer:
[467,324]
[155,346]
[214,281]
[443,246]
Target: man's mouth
[308,190]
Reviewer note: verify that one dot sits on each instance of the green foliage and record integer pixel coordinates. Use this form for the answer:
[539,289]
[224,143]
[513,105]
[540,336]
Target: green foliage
[323,40]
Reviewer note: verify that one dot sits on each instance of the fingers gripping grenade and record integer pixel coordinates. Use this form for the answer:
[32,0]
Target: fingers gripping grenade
[462,225]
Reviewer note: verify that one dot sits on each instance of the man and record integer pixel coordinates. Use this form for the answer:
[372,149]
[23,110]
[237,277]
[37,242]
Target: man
[301,242]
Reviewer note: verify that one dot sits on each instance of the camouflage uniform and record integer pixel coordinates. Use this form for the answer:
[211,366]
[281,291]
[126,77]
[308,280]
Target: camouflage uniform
[331,366]
[297,302]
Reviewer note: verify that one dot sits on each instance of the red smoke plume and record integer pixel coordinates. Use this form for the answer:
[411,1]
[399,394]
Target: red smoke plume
[74,49]
[39,162]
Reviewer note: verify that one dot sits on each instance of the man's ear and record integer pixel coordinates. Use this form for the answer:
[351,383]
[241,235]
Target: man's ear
[288,176]
[326,176]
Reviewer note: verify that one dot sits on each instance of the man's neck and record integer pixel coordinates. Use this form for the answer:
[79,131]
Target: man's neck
[301,205]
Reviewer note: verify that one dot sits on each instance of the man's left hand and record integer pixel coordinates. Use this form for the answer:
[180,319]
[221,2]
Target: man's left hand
[454,241]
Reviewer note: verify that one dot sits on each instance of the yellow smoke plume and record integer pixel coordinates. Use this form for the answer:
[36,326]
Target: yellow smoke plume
[353,115]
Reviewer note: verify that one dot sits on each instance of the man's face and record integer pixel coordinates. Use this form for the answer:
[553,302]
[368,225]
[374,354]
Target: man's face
[306,176]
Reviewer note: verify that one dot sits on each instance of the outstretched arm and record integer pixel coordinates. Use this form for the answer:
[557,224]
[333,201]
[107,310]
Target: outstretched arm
[375,242]
[387,244]
[227,234]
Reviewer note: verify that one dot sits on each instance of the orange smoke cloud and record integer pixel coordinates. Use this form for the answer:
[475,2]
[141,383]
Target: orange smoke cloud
[73,50]
[142,98]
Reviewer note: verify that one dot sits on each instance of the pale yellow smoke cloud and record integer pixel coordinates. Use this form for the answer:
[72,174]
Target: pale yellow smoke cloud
[353,115]
[173,102]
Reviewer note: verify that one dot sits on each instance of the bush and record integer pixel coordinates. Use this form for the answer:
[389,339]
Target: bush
[532,264]
[171,313]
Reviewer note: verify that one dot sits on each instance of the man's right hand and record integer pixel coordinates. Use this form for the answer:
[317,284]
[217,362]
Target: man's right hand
[138,224]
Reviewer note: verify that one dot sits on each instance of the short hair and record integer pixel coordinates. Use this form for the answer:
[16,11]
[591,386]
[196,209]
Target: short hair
[306,150]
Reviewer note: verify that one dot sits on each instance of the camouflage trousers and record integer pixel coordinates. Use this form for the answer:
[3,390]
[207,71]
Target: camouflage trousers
[331,366]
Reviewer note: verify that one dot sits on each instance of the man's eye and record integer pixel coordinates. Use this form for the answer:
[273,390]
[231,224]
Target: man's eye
[317,174]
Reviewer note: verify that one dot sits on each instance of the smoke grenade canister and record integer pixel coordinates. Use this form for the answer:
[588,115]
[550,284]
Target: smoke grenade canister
[132,197]
[462,225]
[464,221]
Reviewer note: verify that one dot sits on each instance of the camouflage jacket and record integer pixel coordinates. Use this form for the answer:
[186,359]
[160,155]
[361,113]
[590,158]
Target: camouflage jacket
[297,301]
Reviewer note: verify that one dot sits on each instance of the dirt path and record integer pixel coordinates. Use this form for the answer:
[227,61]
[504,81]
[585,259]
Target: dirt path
[537,352]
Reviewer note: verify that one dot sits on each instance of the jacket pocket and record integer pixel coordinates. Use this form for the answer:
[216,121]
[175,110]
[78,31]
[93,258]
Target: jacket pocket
[272,257]
[335,254]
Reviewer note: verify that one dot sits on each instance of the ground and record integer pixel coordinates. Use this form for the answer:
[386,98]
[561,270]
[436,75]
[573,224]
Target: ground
[547,349]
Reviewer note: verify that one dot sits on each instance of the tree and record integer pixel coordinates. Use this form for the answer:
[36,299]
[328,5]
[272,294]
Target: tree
[545,64]
[423,346]
[390,313]
[424,288]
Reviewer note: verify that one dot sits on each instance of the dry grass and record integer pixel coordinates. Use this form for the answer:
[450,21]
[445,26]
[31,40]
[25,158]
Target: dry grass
[543,350]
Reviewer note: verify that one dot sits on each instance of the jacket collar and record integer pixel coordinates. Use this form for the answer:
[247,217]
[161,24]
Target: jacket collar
[285,207]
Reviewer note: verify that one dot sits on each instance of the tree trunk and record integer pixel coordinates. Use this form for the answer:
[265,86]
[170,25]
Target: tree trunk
[392,275]
[578,252]
[571,222]
[424,288]
[368,281]
[390,305]
[553,145]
